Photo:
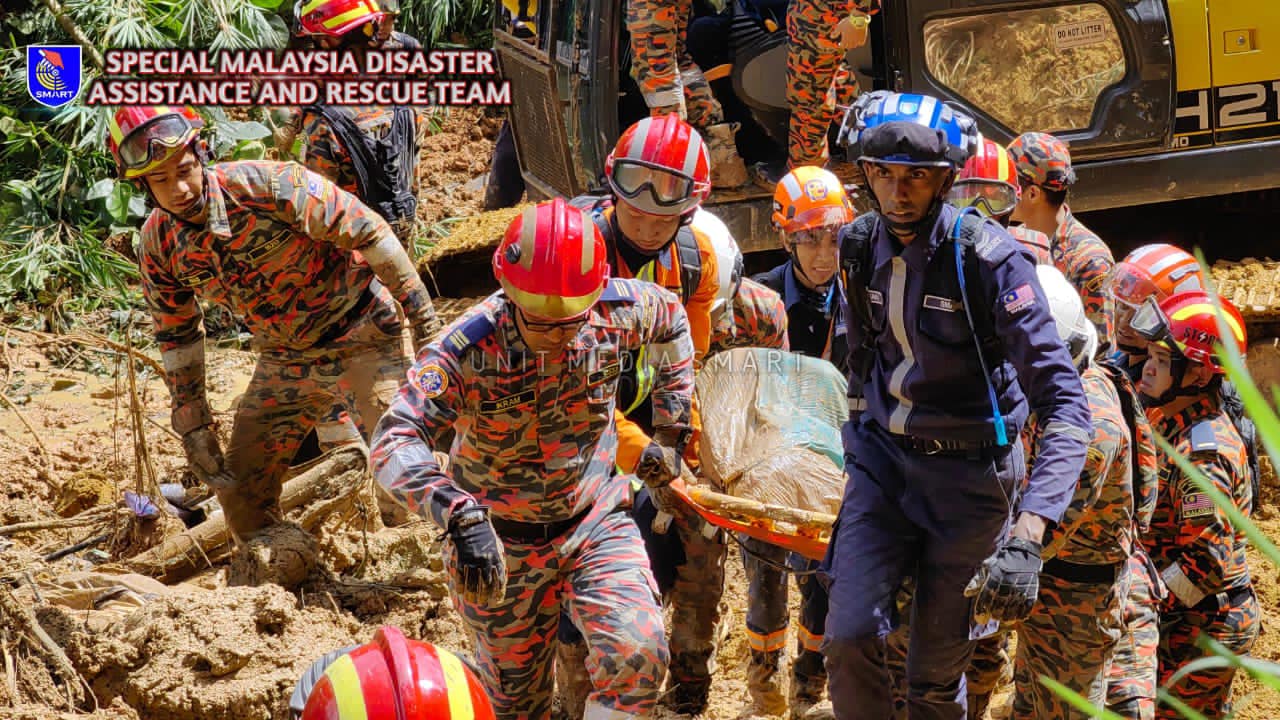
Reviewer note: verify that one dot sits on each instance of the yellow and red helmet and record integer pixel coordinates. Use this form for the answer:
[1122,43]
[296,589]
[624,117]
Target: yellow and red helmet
[552,262]
[142,137]
[337,17]
[1188,324]
[394,678]
[1159,269]
[988,181]
[810,197]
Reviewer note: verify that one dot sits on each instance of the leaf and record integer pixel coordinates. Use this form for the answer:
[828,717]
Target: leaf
[1076,701]
[245,130]
[1183,709]
[249,150]
[138,205]
[267,4]
[118,203]
[101,189]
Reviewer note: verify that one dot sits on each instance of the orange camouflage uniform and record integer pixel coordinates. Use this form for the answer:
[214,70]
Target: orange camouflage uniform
[278,248]
[662,65]
[1086,261]
[819,83]
[759,319]
[533,440]
[1201,556]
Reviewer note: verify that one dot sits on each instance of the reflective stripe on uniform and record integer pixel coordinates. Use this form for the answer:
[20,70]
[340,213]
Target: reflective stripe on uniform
[767,642]
[897,322]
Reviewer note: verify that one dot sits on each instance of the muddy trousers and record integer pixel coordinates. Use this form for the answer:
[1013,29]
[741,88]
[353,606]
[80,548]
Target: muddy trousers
[1131,678]
[900,516]
[341,388]
[1232,619]
[661,64]
[1070,637]
[598,576]
[989,667]
[818,82]
[767,621]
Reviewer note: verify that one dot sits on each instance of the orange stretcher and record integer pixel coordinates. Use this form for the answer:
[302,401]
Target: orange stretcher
[799,531]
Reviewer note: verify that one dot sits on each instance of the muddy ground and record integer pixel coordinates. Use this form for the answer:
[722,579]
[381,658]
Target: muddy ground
[202,648]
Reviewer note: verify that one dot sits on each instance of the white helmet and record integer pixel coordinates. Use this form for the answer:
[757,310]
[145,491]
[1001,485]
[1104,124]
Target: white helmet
[728,255]
[1074,328]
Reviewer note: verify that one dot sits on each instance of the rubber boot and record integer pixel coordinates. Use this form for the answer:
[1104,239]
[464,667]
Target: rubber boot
[688,694]
[764,685]
[572,678]
[727,168]
[808,690]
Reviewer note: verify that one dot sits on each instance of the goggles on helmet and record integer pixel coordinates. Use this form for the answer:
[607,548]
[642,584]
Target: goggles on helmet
[666,187]
[991,198]
[1132,286]
[154,139]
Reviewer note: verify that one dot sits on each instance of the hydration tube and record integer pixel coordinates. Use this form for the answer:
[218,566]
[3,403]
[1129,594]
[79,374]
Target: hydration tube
[997,418]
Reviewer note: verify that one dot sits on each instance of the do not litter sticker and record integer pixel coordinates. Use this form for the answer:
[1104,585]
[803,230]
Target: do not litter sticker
[1080,33]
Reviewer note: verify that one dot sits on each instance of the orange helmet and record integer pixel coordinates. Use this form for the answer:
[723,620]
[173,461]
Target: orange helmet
[1188,323]
[988,181]
[337,17]
[552,262]
[394,678]
[141,137]
[1160,270]
[810,197]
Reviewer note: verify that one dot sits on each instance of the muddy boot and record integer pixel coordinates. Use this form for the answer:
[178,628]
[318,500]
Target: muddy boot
[808,689]
[764,684]
[727,168]
[688,689]
[572,678]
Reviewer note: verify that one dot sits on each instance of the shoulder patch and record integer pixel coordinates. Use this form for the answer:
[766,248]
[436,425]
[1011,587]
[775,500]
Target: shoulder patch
[619,290]
[988,243]
[430,379]
[1018,299]
[1196,505]
[467,334]
[316,186]
[1202,437]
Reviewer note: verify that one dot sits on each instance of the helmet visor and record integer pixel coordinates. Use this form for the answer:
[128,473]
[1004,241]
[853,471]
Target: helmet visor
[818,218]
[667,188]
[1132,285]
[816,236]
[154,141]
[991,198]
[1150,322]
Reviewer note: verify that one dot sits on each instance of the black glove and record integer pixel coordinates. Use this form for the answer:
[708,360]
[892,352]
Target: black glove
[204,457]
[660,462]
[481,569]
[1006,585]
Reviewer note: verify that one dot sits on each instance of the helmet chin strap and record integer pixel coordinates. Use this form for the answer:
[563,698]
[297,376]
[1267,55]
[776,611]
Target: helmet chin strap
[926,221]
[1178,365]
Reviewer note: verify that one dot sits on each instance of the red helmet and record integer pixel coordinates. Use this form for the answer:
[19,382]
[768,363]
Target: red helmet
[337,17]
[660,166]
[988,181]
[552,262]
[1158,270]
[1188,323]
[394,678]
[141,137]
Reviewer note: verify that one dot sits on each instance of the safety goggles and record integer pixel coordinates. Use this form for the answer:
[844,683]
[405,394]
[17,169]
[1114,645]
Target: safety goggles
[667,188]
[1150,322]
[992,199]
[154,140]
[567,325]
[1128,285]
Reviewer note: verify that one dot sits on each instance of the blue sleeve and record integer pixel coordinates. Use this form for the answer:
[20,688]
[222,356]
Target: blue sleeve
[1048,378]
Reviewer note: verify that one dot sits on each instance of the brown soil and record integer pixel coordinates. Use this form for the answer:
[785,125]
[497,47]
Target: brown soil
[452,157]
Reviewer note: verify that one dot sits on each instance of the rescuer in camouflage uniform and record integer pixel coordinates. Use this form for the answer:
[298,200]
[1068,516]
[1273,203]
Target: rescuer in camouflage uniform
[819,83]
[276,243]
[1198,552]
[1044,170]
[671,82]
[527,382]
[756,318]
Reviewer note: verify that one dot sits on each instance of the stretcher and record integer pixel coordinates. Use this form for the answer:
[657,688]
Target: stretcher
[800,531]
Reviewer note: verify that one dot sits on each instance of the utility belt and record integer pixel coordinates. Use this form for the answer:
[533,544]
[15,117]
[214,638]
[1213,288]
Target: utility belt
[343,324]
[531,533]
[1079,573]
[1229,598]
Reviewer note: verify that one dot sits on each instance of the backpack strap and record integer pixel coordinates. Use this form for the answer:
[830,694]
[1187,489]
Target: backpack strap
[856,258]
[971,239]
[390,196]
[1233,405]
[348,133]
[1143,455]
[689,258]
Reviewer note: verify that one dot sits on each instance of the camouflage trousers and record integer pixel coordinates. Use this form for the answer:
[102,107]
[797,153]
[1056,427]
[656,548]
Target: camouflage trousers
[1070,636]
[988,667]
[767,621]
[1131,679]
[661,63]
[818,81]
[598,575]
[340,388]
[1234,624]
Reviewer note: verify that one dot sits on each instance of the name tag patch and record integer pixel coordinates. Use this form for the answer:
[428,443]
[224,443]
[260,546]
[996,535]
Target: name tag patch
[505,404]
[607,372]
[933,302]
[875,296]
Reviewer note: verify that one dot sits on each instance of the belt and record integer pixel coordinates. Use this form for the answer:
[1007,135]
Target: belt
[1078,573]
[340,328]
[926,446]
[534,533]
[1230,598]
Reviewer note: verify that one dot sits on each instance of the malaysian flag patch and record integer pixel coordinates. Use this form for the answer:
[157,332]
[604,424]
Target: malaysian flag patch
[1018,299]
[1196,505]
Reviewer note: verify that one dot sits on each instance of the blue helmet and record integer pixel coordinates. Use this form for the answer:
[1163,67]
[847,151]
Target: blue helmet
[908,129]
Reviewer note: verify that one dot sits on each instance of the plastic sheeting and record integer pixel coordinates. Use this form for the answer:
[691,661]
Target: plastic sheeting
[771,427]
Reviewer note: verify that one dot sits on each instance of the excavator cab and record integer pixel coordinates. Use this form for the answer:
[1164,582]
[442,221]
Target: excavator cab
[1098,73]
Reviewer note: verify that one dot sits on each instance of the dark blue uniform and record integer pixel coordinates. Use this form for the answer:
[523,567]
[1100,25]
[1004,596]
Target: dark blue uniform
[815,324]
[936,510]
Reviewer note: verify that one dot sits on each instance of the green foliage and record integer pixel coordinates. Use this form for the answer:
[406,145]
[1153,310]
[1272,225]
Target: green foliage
[435,21]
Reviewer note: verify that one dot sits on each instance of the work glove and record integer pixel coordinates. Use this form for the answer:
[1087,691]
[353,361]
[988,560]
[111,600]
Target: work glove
[205,458]
[660,462]
[1006,585]
[481,569]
